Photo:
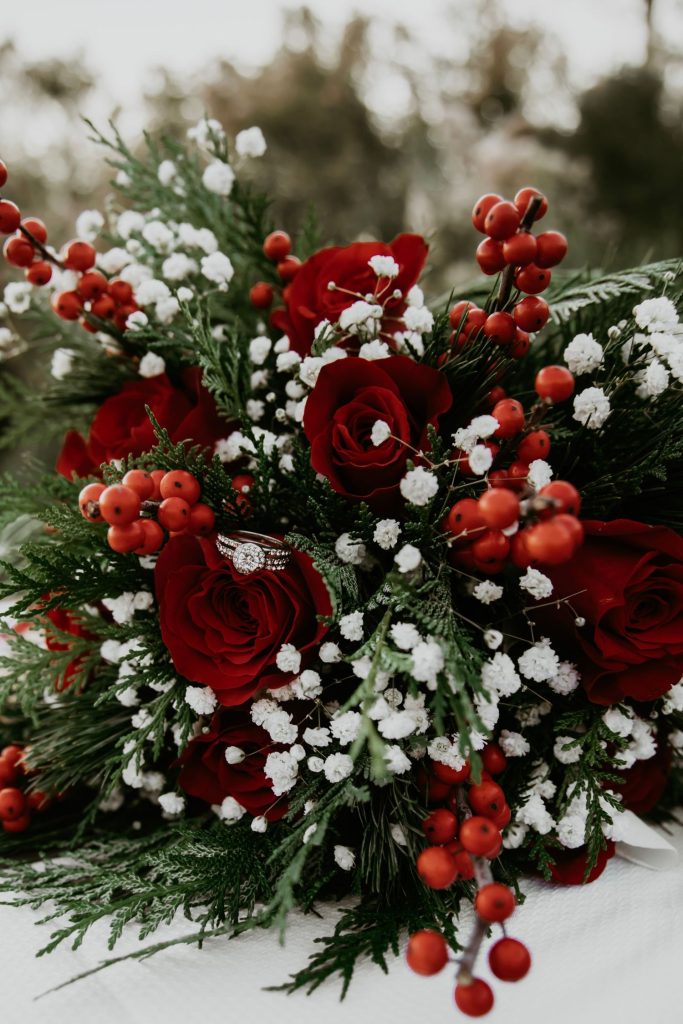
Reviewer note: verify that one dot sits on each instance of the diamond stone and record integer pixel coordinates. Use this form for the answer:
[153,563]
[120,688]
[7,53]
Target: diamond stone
[248,558]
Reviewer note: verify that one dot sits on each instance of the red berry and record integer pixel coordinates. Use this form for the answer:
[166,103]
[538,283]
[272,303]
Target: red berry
[519,555]
[457,312]
[436,867]
[103,307]
[139,481]
[491,549]
[12,803]
[573,527]
[12,755]
[494,902]
[502,819]
[549,543]
[474,321]
[88,502]
[122,313]
[277,245]
[517,473]
[119,505]
[440,826]
[36,227]
[500,328]
[510,416]
[92,286]
[202,520]
[499,508]
[78,255]
[427,952]
[464,865]
[178,483]
[520,249]
[509,959]
[18,251]
[152,537]
[261,295]
[18,824]
[481,209]
[551,248]
[433,790]
[121,292]
[8,774]
[531,314]
[40,273]
[37,800]
[502,220]
[494,759]
[157,476]
[497,846]
[532,279]
[465,519]
[489,256]
[174,514]
[535,445]
[520,346]
[242,483]
[124,539]
[477,835]
[473,998]
[288,268]
[452,776]
[486,798]
[67,305]
[10,217]
[524,197]
[554,383]
[4,175]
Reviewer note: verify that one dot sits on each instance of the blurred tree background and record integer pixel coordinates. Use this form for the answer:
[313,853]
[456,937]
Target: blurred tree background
[481,120]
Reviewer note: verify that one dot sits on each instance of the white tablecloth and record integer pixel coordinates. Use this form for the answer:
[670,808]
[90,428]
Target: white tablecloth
[609,952]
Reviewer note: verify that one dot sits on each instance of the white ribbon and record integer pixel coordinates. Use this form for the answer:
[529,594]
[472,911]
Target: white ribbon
[642,844]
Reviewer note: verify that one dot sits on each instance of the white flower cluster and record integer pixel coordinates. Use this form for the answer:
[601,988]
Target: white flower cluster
[660,346]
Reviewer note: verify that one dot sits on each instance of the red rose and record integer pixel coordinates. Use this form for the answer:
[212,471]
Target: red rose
[349,397]
[66,622]
[570,865]
[627,582]
[310,300]
[206,774]
[122,427]
[224,629]
[645,781]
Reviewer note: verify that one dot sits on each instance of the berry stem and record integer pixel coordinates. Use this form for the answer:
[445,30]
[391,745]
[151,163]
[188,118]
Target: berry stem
[44,252]
[508,276]
[482,875]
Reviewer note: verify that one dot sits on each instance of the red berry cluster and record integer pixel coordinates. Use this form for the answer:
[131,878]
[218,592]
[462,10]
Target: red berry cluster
[509,522]
[16,805]
[524,258]
[461,850]
[130,507]
[277,247]
[94,294]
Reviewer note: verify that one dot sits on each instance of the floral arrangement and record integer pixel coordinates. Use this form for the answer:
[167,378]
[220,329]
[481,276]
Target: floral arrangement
[336,594]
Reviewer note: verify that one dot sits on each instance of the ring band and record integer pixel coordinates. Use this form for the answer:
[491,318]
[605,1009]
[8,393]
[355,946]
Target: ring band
[249,552]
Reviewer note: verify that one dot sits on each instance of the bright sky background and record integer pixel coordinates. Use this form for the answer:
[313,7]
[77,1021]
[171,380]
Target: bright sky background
[124,39]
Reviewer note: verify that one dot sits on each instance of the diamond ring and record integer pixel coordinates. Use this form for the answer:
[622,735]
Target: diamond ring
[250,552]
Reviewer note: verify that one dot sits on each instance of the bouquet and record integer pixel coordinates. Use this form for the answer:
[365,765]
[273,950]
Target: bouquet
[336,594]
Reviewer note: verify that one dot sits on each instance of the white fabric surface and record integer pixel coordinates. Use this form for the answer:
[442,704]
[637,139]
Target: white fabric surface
[608,952]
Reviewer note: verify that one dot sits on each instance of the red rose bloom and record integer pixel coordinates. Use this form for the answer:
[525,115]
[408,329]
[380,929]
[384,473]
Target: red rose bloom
[645,781]
[627,579]
[224,629]
[349,397]
[570,865]
[66,622]
[206,774]
[310,300]
[122,427]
